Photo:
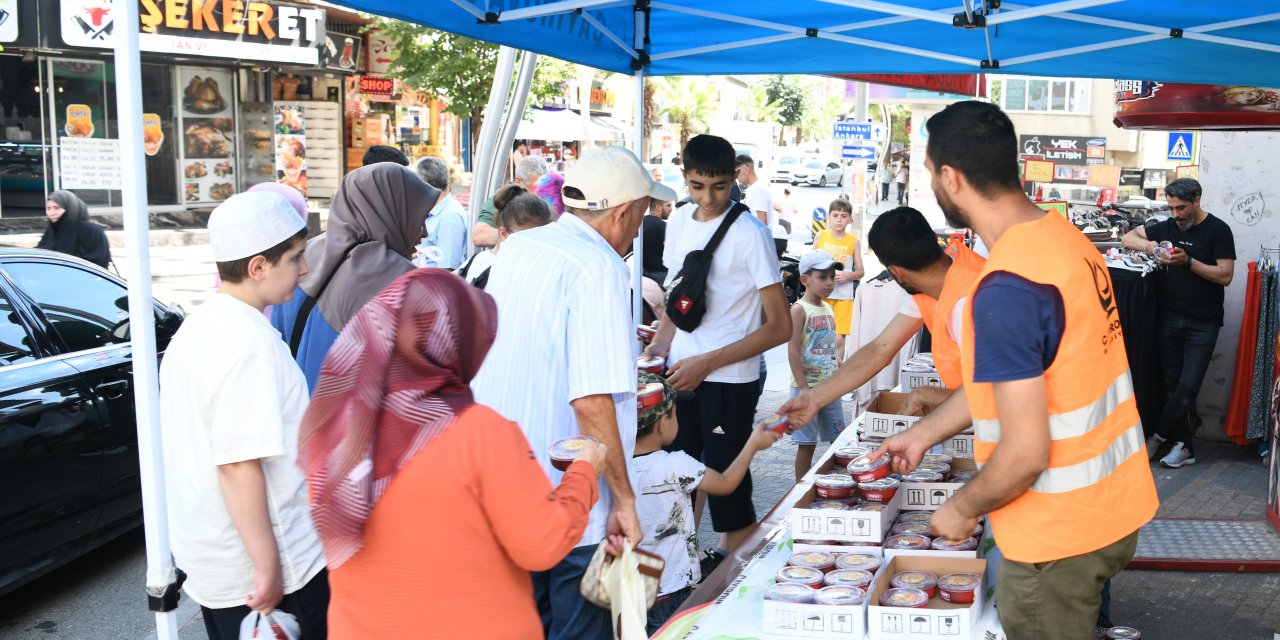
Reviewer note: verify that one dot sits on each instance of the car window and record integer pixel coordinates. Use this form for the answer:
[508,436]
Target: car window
[15,342]
[85,308]
[813,165]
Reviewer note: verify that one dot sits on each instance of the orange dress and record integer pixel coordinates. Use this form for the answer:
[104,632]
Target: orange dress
[449,546]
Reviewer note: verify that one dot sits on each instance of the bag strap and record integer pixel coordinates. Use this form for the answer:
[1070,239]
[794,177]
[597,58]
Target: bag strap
[729,219]
[304,310]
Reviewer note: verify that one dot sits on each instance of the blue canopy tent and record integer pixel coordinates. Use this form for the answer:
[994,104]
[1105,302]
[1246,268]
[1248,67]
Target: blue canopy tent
[1165,40]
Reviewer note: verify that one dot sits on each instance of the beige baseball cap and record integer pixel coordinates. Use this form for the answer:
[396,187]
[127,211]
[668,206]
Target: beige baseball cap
[249,223]
[610,177]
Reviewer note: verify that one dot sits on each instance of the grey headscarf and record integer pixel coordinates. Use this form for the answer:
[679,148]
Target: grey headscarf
[375,221]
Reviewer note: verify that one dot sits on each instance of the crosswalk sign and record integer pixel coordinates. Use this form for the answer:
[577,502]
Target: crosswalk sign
[1181,145]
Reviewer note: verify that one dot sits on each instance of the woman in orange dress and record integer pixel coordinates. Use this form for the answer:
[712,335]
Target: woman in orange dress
[432,509]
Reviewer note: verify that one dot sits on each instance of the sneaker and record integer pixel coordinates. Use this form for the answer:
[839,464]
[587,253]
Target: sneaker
[1153,445]
[1177,457]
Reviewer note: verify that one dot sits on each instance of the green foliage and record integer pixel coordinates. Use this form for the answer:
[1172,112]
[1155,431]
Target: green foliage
[819,118]
[687,103]
[758,107]
[791,96]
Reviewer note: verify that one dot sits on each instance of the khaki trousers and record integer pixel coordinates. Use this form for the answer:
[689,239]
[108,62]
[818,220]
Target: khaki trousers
[1058,600]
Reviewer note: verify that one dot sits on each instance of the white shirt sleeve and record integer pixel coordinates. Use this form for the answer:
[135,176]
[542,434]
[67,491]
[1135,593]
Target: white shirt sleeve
[246,413]
[909,307]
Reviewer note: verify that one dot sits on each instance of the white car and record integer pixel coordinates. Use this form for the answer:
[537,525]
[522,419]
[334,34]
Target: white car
[819,173]
[783,167]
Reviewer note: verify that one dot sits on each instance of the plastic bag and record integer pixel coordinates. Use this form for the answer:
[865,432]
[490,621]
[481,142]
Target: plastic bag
[627,598]
[277,625]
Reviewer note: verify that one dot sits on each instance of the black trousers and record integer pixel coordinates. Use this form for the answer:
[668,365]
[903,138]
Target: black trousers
[714,427]
[310,605]
[1186,346]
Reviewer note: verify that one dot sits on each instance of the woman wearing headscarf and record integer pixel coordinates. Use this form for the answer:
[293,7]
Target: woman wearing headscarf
[375,221]
[431,508]
[70,231]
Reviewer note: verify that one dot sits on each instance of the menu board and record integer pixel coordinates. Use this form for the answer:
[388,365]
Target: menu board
[291,145]
[89,163]
[208,141]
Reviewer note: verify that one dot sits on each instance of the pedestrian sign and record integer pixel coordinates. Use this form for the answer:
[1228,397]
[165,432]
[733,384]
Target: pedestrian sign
[1181,145]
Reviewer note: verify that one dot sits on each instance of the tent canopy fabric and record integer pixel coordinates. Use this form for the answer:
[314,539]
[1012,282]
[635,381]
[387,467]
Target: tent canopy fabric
[561,125]
[1166,40]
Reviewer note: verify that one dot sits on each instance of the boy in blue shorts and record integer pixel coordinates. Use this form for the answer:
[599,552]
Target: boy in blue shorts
[813,355]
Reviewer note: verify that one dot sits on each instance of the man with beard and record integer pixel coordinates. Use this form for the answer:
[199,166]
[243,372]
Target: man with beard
[1199,268]
[654,229]
[1046,384]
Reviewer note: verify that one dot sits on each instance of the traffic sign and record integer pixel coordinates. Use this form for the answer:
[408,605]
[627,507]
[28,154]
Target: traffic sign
[858,152]
[858,131]
[1181,145]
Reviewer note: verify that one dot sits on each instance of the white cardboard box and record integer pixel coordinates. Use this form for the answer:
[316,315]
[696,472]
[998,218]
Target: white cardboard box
[815,620]
[961,445]
[883,416]
[928,496]
[939,620]
[909,380]
[845,526]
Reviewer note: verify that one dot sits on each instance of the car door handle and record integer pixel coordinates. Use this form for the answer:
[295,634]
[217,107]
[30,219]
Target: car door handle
[114,390]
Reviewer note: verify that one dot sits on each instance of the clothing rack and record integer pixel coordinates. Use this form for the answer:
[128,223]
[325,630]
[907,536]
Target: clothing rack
[1268,256]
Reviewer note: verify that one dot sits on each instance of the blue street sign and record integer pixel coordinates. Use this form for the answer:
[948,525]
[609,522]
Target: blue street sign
[858,131]
[858,152]
[1181,145]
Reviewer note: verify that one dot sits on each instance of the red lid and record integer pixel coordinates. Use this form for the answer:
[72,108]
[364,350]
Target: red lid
[650,396]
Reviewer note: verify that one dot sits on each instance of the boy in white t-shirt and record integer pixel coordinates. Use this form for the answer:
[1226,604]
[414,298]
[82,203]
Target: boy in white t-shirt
[231,400]
[665,482]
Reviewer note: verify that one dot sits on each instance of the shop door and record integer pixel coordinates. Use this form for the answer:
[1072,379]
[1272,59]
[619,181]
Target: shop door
[82,104]
[24,176]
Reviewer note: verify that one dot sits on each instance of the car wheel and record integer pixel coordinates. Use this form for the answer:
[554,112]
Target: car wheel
[794,183]
[822,182]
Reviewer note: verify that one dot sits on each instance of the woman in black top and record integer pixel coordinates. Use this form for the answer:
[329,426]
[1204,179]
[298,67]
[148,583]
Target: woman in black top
[71,232]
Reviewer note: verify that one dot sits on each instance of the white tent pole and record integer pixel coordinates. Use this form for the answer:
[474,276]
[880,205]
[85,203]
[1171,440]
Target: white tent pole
[515,111]
[486,148]
[142,317]
[637,145]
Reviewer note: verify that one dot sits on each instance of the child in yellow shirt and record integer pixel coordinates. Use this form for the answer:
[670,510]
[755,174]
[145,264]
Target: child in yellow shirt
[843,248]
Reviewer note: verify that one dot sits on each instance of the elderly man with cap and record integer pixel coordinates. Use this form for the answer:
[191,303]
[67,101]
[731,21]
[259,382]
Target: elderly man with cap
[563,362]
[231,400]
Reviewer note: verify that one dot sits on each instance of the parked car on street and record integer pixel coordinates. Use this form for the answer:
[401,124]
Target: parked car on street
[68,437]
[782,168]
[819,173]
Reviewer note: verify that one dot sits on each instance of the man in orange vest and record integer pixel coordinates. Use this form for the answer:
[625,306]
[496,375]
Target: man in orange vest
[937,280]
[1065,476]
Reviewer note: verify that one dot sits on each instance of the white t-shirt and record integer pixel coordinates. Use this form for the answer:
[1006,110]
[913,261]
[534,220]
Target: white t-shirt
[911,309]
[664,503]
[744,263]
[230,392]
[479,264]
[788,209]
[758,198]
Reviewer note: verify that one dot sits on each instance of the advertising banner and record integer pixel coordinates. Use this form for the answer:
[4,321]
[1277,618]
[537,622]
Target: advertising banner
[1142,104]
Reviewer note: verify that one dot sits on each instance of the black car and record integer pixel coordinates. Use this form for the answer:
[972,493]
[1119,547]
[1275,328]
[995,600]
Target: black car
[68,440]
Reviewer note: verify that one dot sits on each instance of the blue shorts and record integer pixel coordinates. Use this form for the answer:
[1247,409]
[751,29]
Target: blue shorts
[825,426]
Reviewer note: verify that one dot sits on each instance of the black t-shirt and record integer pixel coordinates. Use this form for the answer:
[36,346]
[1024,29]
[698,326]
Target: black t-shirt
[1186,293]
[655,239]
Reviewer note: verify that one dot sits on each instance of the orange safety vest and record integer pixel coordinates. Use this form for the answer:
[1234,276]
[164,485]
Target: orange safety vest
[1098,486]
[964,270]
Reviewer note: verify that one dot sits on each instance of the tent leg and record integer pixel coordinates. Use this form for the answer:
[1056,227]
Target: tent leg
[637,249]
[486,148]
[515,111]
[160,570]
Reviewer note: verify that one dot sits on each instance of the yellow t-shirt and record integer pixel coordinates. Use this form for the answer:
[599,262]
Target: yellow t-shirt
[841,251]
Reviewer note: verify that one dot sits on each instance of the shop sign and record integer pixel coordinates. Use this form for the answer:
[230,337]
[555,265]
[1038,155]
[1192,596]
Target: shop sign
[1156,105]
[1038,171]
[602,99]
[966,84]
[8,21]
[1064,150]
[235,29]
[341,52]
[379,58]
[377,86]
[89,163]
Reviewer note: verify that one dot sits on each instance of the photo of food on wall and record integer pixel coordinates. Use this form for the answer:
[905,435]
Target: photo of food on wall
[289,120]
[206,140]
[223,169]
[203,96]
[192,191]
[221,191]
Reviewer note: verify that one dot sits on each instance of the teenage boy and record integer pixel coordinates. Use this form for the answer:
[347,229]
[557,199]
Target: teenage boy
[665,482]
[813,353]
[746,315]
[843,247]
[231,399]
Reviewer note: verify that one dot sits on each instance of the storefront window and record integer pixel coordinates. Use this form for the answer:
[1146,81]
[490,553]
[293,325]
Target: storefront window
[1040,95]
[208,134]
[24,177]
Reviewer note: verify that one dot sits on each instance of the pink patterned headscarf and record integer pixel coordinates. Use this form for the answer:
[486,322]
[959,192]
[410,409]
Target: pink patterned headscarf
[392,383]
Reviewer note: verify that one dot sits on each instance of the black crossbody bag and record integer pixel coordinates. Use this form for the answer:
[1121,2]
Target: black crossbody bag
[687,297]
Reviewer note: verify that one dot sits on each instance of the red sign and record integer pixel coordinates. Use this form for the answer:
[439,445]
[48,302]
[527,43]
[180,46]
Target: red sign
[963,84]
[1164,105]
[380,86]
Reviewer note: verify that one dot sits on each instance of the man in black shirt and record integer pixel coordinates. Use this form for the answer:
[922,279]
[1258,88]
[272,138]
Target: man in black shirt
[654,228]
[1199,268]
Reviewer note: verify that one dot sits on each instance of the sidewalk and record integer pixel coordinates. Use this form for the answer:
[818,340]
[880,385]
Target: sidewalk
[1227,482]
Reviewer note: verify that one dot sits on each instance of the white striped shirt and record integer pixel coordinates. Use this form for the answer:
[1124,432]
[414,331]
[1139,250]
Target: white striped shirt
[565,331]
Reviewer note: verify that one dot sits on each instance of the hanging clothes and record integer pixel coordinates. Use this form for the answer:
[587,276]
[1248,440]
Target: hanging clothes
[1137,302]
[874,307]
[1264,359]
[1237,418]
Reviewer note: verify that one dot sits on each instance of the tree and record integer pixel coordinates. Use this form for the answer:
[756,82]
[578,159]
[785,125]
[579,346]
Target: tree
[757,107]
[819,118]
[792,98]
[688,104]
[459,70]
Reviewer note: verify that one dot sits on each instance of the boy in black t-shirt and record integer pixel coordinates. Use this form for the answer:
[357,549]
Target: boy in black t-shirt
[1200,266]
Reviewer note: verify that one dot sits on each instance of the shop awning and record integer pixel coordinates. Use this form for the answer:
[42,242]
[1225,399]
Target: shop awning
[617,127]
[561,125]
